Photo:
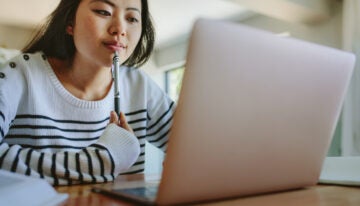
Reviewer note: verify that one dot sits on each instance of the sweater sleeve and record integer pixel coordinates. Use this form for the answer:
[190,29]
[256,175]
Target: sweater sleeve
[115,151]
[160,116]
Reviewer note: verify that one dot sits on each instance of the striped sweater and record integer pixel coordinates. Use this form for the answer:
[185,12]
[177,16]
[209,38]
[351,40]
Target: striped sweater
[47,132]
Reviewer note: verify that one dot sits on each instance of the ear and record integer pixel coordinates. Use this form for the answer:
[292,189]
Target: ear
[70,29]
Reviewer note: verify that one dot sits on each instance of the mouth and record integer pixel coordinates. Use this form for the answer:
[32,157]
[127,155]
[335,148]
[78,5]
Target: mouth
[114,46]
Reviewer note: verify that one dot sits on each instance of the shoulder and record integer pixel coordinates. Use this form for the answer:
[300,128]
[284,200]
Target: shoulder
[23,61]
[6,54]
[140,81]
[9,68]
[134,73]
[21,67]
[137,77]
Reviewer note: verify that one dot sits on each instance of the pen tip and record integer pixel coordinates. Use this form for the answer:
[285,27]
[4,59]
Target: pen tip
[116,53]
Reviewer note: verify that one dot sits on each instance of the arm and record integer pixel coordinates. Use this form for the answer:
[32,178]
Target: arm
[116,149]
[160,116]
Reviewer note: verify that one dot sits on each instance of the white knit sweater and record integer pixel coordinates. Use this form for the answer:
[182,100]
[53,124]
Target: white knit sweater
[47,132]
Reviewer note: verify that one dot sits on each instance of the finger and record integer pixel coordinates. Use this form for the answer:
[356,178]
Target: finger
[114,117]
[124,123]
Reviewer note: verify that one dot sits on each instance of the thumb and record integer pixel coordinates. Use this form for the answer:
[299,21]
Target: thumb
[114,118]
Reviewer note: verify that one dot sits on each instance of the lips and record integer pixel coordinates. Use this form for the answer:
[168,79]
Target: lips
[114,46]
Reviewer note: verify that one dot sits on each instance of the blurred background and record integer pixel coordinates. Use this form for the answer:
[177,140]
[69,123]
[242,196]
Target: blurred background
[332,23]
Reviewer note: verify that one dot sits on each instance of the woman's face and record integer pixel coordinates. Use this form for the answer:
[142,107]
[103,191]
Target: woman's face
[102,27]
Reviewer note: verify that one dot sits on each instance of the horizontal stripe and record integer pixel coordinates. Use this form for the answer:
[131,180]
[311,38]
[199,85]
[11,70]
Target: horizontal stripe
[3,157]
[139,129]
[53,127]
[141,137]
[78,167]
[16,161]
[141,141]
[28,116]
[40,165]
[144,136]
[139,163]
[133,172]
[160,138]
[53,169]
[50,146]
[162,116]
[161,146]
[27,162]
[23,136]
[102,147]
[66,166]
[136,121]
[102,163]
[136,112]
[161,127]
[102,169]
[99,146]
[90,165]
[111,158]
[2,133]
[2,116]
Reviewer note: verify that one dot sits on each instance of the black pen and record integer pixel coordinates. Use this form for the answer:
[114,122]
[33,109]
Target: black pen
[116,71]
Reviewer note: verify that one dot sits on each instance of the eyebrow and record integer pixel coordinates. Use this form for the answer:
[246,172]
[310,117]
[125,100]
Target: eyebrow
[104,1]
[113,5]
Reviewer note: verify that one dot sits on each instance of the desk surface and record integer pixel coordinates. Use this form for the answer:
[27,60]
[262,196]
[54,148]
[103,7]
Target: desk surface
[312,196]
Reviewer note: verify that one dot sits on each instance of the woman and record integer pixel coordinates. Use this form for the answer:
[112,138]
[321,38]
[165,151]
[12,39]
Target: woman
[56,99]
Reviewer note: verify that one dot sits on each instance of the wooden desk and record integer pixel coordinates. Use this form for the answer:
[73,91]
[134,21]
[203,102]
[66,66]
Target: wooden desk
[313,196]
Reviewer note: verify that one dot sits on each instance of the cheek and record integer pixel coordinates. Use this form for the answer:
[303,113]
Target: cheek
[86,29]
[90,27]
[135,37]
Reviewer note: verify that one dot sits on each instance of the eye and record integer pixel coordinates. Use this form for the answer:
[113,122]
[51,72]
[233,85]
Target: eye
[103,12]
[133,20]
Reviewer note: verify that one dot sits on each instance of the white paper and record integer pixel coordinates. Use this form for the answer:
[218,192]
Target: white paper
[341,170]
[19,190]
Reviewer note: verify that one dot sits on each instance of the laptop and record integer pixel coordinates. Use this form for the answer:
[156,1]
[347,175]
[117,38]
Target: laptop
[256,114]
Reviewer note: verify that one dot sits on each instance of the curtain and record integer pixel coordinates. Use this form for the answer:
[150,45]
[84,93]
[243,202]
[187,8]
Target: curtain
[350,132]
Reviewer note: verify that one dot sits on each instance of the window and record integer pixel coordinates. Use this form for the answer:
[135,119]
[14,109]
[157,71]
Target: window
[154,157]
[173,80]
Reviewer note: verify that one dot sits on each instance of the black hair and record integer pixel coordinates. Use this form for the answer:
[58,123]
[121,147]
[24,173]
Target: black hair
[53,40]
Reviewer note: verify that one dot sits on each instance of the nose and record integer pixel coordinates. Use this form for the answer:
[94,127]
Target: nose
[118,27]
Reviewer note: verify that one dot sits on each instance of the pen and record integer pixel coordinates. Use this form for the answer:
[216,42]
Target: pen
[116,71]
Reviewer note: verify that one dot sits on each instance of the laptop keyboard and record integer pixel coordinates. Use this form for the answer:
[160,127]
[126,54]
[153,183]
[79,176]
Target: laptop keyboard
[145,192]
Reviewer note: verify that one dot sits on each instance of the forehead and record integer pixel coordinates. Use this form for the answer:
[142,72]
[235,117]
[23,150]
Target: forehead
[119,3]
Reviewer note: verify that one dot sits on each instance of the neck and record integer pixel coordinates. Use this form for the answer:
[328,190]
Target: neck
[83,80]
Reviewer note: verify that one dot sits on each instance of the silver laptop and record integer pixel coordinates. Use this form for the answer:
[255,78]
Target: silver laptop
[256,114]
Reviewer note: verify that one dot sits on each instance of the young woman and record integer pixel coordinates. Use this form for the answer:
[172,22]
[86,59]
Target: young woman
[57,99]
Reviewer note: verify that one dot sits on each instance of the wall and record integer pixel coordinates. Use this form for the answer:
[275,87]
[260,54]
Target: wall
[327,33]
[14,37]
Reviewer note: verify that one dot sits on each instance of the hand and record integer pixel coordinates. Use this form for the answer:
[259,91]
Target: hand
[114,118]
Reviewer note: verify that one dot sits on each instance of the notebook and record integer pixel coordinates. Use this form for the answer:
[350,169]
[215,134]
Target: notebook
[341,171]
[19,190]
[256,114]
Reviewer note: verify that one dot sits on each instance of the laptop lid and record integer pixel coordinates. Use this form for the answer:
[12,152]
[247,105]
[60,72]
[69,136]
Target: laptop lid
[256,113]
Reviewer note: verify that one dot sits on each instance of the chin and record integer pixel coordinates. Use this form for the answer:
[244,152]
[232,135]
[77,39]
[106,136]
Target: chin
[108,62]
